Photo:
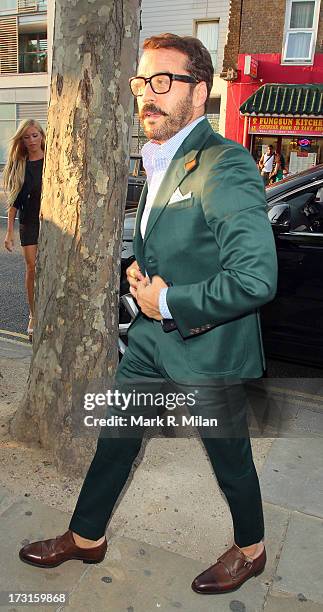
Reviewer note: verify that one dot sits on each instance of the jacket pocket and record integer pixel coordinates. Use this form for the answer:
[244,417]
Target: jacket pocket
[181,204]
[220,351]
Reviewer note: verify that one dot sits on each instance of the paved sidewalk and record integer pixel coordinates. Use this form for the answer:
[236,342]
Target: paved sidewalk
[172,523]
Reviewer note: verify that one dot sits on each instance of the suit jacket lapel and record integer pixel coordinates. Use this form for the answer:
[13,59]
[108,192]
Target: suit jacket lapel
[171,180]
[183,162]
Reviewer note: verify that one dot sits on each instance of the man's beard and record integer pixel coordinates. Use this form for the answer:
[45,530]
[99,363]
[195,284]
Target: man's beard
[173,123]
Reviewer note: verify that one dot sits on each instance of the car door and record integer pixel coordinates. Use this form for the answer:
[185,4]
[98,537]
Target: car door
[293,322]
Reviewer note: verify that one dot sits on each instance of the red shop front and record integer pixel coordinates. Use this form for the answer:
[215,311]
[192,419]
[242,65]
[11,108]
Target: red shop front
[288,117]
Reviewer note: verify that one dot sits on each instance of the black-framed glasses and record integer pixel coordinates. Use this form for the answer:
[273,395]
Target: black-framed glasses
[160,82]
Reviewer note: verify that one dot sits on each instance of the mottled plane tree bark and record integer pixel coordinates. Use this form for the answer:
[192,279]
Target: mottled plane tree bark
[84,191]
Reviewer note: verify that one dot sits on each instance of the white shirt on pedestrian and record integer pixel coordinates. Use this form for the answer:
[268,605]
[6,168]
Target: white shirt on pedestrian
[268,162]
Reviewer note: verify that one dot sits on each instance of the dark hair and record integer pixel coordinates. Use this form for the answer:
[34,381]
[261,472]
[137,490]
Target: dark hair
[199,63]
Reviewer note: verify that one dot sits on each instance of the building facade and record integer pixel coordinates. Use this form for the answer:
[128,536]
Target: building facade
[26,28]
[24,59]
[274,79]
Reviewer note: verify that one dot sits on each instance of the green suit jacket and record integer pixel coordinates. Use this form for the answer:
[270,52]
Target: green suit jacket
[216,247]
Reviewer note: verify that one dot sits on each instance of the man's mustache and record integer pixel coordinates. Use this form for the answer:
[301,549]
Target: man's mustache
[151,108]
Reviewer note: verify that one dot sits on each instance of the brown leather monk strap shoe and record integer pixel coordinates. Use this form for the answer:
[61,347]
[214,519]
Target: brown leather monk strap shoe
[51,553]
[229,572]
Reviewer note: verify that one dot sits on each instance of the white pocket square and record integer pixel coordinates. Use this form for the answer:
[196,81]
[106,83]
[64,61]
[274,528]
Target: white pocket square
[179,197]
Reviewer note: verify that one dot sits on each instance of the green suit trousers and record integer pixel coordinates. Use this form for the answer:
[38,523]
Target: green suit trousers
[230,456]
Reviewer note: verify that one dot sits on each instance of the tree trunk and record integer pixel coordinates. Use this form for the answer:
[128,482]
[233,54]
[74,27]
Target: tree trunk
[84,190]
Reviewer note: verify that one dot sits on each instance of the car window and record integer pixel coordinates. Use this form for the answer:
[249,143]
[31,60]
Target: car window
[306,208]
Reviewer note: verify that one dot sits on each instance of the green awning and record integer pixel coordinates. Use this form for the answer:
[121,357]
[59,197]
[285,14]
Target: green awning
[281,99]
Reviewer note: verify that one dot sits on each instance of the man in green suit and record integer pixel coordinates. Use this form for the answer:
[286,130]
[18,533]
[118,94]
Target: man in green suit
[205,262]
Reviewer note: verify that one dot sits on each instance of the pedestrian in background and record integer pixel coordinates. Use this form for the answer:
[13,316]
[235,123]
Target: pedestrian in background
[266,164]
[22,179]
[277,171]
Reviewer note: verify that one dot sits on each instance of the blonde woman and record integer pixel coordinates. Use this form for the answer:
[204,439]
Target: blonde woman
[22,179]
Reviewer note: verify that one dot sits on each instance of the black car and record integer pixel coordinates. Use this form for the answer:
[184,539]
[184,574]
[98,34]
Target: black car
[136,181]
[293,322]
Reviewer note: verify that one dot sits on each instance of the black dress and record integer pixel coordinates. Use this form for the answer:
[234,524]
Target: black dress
[28,202]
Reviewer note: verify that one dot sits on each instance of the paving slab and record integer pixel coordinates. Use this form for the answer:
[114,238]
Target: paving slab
[292,476]
[177,570]
[174,501]
[137,577]
[291,604]
[7,498]
[283,413]
[307,423]
[276,523]
[299,571]
[25,520]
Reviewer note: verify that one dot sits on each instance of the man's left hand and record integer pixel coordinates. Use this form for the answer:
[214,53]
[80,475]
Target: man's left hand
[148,297]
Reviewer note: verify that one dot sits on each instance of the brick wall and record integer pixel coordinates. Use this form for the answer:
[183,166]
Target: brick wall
[262,26]
[258,28]
[319,40]
[231,49]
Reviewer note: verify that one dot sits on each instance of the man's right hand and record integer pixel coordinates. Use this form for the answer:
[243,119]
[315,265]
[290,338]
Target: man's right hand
[134,275]
[8,241]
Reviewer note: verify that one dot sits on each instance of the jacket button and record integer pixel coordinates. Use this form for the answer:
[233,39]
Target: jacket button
[28,196]
[151,260]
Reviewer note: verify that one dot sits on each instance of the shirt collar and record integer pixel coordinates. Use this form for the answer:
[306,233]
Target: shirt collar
[157,157]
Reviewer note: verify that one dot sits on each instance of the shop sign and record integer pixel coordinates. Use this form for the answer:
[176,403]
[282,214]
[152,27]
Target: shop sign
[310,126]
[251,66]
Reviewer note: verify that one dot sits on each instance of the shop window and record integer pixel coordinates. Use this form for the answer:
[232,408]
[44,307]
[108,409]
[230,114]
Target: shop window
[208,33]
[300,31]
[301,153]
[260,144]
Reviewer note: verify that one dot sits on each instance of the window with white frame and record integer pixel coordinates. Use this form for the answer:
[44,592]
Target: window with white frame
[300,30]
[208,33]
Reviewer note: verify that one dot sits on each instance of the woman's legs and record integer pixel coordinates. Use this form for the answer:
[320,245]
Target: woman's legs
[30,253]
